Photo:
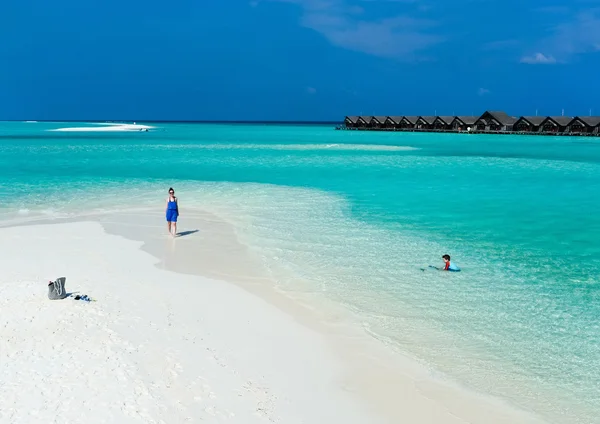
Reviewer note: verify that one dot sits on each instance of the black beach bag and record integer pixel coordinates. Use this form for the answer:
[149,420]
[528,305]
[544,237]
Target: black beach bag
[56,289]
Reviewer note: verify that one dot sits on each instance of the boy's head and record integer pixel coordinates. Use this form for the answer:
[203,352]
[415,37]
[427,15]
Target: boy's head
[446,258]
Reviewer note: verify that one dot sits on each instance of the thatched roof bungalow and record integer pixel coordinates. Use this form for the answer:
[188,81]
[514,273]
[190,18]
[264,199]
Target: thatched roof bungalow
[443,122]
[408,121]
[425,122]
[351,121]
[555,124]
[495,121]
[528,123]
[584,124]
[377,121]
[393,121]
[364,121]
[461,123]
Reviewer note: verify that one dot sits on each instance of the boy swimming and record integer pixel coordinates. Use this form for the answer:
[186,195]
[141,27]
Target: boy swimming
[449,265]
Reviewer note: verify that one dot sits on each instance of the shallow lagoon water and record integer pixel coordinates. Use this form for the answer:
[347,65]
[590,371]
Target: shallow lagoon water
[355,215]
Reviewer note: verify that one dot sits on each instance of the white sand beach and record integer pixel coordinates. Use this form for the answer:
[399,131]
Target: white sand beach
[110,127]
[189,330]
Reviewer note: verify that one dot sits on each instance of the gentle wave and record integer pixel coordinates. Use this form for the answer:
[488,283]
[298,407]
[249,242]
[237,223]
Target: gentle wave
[342,147]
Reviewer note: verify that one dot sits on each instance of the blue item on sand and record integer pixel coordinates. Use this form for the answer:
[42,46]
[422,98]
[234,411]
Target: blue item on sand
[85,298]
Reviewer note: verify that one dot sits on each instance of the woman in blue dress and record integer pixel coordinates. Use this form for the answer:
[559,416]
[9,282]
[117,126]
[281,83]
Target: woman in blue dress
[172,212]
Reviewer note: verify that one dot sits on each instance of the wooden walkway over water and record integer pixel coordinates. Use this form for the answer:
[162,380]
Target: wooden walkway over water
[421,130]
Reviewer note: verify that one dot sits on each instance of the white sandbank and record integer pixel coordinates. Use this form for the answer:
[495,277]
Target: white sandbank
[106,127]
[160,346]
[156,347]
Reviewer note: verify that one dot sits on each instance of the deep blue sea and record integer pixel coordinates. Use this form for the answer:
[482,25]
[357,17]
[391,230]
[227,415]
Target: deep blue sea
[356,215]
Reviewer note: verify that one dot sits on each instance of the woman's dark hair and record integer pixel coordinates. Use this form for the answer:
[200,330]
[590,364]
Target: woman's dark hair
[447,257]
[171,190]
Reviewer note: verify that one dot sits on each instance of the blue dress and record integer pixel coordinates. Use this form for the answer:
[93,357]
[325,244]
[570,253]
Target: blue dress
[172,211]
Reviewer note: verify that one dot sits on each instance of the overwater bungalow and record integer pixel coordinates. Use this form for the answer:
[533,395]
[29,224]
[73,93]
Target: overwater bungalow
[443,123]
[393,122]
[490,122]
[363,121]
[528,123]
[425,122]
[555,124]
[351,121]
[461,123]
[584,125]
[377,121]
[408,122]
[495,121]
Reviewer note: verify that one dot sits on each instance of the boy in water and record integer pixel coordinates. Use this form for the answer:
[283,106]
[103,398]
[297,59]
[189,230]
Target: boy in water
[450,266]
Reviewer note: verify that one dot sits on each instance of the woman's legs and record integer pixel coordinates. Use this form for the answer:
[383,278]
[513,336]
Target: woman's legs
[172,222]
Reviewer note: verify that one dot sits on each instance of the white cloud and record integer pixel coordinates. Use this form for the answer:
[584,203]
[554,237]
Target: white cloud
[538,59]
[394,37]
[580,35]
[345,25]
[575,34]
[483,91]
[311,90]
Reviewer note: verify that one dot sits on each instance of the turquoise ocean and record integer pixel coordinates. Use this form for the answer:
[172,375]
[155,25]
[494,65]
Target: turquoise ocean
[356,215]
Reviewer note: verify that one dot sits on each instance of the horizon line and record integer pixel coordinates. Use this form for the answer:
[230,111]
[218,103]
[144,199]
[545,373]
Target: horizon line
[172,121]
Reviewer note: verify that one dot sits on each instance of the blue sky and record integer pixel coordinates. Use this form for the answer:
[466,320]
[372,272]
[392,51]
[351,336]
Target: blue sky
[296,59]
